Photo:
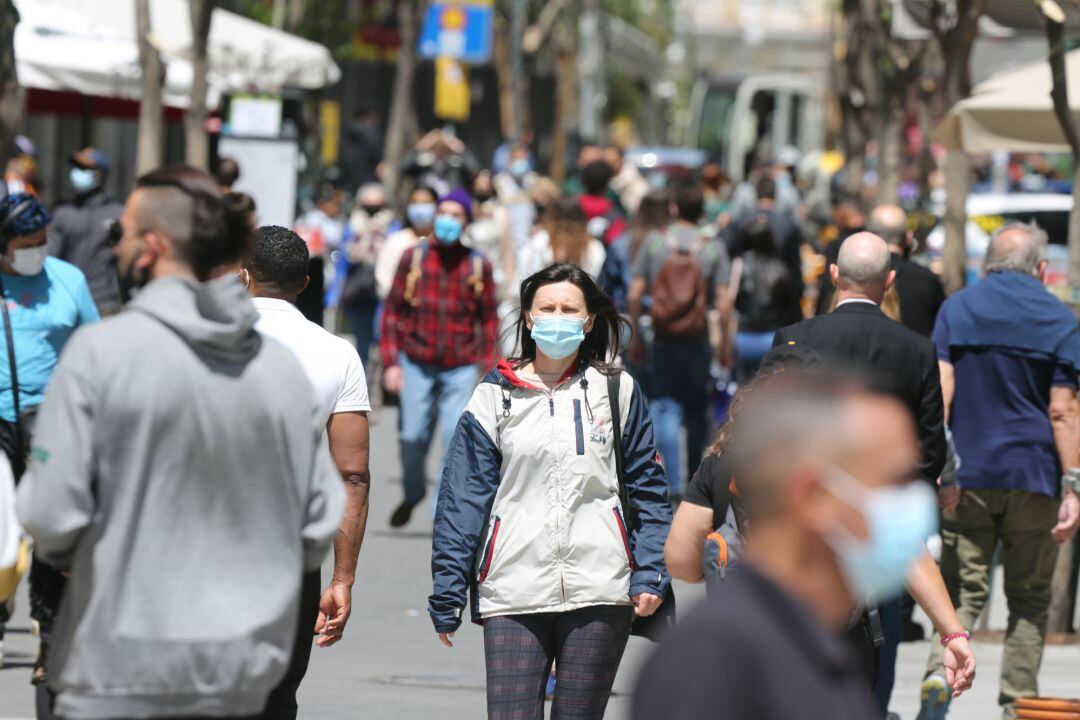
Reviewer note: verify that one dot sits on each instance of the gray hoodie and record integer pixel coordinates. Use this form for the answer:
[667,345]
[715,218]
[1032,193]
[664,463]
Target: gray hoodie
[178,474]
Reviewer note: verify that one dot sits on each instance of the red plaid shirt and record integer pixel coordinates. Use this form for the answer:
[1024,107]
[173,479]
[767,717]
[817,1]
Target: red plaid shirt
[448,326]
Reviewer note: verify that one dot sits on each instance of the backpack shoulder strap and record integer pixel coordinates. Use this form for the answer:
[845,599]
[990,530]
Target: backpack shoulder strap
[613,383]
[412,280]
[476,279]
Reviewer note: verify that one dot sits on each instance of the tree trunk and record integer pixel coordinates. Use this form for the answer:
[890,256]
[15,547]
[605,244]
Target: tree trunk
[924,106]
[197,145]
[957,186]
[956,43]
[296,14]
[151,121]
[11,95]
[401,124]
[565,97]
[501,52]
[890,146]
[860,99]
[1061,587]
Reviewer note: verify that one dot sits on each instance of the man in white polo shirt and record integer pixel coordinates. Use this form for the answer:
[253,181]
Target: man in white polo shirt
[275,274]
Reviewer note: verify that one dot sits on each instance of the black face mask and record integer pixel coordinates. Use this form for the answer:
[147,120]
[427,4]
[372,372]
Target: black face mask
[372,210]
[131,281]
[483,197]
[540,210]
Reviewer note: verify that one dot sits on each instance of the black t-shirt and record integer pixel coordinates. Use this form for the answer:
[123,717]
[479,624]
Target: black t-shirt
[710,487]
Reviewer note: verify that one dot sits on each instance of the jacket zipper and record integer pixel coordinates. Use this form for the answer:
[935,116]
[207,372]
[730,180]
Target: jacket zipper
[625,537]
[579,431]
[489,552]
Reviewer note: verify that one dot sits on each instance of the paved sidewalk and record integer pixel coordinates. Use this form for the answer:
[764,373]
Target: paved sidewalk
[391,667]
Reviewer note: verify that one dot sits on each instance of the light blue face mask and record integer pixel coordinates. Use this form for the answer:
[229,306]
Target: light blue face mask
[82,179]
[898,522]
[420,214]
[520,168]
[558,336]
[448,229]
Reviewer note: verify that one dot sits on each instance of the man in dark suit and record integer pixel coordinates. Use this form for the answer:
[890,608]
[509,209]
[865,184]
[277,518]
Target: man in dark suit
[858,336]
[920,290]
[896,361]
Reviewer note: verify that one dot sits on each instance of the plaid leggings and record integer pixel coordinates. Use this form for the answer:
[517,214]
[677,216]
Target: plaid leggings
[588,645]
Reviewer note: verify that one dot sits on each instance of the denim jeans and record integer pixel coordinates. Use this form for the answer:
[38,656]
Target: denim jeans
[679,379]
[892,623]
[362,325]
[430,393]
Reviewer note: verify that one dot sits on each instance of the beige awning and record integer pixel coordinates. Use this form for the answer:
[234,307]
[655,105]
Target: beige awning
[1012,111]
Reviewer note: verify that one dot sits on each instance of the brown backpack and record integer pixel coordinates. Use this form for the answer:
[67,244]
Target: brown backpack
[679,296]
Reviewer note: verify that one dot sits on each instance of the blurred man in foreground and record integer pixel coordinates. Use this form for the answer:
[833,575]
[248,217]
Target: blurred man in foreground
[824,474]
[179,475]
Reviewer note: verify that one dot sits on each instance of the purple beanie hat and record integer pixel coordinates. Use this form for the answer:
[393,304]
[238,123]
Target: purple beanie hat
[462,198]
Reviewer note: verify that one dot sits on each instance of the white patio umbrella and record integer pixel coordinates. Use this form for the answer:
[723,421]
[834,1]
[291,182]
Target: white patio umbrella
[91,48]
[1011,111]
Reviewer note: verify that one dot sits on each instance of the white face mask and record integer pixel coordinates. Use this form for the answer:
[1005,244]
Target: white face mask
[28,261]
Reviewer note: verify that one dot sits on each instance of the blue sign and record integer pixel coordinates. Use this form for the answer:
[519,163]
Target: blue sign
[458,31]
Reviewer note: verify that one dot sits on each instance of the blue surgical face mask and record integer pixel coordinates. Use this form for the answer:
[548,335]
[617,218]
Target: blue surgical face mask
[82,179]
[558,336]
[420,214]
[448,229]
[520,168]
[898,522]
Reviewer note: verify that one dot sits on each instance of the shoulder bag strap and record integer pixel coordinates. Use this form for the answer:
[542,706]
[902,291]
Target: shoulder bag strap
[613,382]
[13,369]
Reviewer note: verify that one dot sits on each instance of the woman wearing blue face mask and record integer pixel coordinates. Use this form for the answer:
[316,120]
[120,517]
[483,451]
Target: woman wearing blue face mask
[419,218]
[530,521]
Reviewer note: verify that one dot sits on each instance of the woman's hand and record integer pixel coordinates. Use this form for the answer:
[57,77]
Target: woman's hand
[645,604]
[447,639]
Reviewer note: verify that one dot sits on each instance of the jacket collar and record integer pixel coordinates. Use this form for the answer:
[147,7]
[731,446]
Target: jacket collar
[861,308]
[508,373]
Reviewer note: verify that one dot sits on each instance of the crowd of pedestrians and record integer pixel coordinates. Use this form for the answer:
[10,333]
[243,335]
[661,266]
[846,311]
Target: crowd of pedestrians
[575,350]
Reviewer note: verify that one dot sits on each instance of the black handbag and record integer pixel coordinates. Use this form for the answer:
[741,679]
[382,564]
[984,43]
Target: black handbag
[359,285]
[654,626]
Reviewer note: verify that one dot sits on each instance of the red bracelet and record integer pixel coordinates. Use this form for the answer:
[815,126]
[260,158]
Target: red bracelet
[952,636]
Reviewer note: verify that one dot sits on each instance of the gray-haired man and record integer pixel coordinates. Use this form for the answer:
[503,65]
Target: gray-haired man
[1009,353]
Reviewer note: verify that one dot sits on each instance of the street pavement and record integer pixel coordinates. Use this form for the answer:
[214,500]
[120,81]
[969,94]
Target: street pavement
[390,666]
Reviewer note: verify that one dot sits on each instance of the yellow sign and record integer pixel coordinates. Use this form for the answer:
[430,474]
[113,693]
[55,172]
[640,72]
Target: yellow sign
[330,131]
[452,100]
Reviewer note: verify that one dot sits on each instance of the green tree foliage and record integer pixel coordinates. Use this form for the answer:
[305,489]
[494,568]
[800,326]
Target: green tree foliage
[656,18]
[322,21]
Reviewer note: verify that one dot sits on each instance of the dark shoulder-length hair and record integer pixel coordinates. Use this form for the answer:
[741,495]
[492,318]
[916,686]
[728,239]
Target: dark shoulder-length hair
[602,344]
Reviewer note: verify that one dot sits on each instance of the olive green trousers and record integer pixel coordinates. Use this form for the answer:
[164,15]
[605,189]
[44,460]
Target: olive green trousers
[1021,521]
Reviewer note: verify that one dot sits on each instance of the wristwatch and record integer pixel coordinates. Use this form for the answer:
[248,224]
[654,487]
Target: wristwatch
[1071,481]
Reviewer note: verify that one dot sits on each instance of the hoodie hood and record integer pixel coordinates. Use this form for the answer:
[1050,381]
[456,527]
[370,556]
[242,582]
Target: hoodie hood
[216,318]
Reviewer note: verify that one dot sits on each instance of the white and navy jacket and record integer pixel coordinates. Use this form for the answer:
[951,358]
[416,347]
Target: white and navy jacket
[529,518]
